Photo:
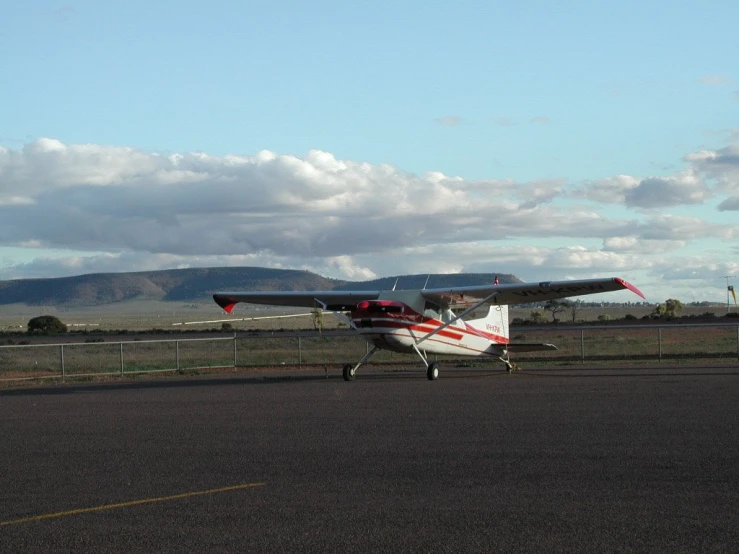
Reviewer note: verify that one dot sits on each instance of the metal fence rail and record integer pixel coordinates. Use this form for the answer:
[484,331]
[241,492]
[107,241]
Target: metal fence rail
[602,344]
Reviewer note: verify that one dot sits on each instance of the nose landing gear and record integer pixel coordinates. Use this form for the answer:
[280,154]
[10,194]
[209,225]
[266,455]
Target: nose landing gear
[350,371]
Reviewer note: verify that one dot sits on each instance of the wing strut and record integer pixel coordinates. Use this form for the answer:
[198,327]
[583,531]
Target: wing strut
[341,316]
[457,318]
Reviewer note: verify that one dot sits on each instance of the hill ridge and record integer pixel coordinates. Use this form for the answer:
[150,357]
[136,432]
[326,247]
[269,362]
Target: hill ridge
[198,284]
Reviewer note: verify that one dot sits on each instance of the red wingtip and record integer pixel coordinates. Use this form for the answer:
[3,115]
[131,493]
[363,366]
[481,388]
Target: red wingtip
[629,286]
[224,302]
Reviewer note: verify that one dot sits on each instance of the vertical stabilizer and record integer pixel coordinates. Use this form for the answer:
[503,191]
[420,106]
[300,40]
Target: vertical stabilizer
[495,322]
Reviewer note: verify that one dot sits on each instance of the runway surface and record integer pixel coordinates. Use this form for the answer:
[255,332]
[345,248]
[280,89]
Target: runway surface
[548,460]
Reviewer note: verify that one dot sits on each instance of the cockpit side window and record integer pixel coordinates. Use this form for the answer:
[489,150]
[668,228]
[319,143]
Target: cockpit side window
[437,312]
[431,310]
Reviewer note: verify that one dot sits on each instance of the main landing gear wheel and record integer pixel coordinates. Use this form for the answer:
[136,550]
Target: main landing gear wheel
[432,371]
[349,373]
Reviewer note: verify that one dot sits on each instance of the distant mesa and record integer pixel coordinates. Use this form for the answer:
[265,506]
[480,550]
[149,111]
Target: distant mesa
[198,284]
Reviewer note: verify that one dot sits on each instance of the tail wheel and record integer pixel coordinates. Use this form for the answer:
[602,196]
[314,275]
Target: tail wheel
[432,371]
[349,373]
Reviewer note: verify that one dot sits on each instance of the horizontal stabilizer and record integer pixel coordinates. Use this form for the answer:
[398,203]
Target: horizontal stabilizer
[529,347]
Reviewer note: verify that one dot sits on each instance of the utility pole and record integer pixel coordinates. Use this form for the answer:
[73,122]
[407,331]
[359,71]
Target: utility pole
[728,289]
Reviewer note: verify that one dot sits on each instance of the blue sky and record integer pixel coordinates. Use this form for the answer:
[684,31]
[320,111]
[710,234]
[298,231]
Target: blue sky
[541,139]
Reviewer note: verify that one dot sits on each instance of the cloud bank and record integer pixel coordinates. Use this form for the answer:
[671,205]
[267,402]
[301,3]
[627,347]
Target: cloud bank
[133,210]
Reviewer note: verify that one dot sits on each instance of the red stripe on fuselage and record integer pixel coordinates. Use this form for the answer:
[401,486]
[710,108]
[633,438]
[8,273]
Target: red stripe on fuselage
[397,315]
[456,347]
[428,326]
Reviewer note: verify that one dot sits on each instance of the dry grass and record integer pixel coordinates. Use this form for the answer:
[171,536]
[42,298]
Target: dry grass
[599,345]
[605,345]
[144,316]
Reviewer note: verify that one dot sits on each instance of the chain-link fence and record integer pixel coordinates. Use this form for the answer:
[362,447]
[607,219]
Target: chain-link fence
[606,344]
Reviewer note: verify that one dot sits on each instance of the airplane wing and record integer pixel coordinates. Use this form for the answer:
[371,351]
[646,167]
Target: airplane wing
[522,293]
[513,293]
[338,301]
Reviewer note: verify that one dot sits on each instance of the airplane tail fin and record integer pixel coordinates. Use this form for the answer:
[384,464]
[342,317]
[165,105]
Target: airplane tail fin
[495,322]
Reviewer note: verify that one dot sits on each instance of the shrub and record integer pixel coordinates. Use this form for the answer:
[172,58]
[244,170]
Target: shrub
[46,325]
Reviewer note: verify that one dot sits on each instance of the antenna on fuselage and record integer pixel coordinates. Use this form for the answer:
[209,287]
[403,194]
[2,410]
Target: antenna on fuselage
[427,281]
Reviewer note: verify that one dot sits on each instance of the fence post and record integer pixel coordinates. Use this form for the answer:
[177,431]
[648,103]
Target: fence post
[234,349]
[737,342]
[659,343]
[300,352]
[61,354]
[177,355]
[121,358]
[582,345]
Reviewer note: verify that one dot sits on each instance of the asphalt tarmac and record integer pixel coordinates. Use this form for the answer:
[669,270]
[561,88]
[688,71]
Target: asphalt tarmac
[547,460]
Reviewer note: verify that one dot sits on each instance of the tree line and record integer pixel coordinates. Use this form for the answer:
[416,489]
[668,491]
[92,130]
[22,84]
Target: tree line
[669,309]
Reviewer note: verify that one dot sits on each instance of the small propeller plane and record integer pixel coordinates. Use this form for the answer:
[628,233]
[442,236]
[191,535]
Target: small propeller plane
[423,321]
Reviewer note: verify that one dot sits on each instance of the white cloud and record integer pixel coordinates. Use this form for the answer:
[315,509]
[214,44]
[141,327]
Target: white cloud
[721,166]
[730,204]
[343,267]
[694,277]
[134,210]
[684,188]
[634,244]
[121,199]
[611,190]
[448,120]
[665,227]
[654,192]
[15,201]
[63,13]
[715,80]
[505,121]
[540,192]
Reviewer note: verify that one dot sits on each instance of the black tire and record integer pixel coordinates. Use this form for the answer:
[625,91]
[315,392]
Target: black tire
[432,371]
[348,373]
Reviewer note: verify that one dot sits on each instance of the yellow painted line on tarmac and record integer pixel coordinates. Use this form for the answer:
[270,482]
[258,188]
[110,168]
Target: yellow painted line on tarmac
[128,504]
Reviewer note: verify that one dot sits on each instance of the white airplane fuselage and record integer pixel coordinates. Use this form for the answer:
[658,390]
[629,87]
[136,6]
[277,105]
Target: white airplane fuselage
[394,325]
